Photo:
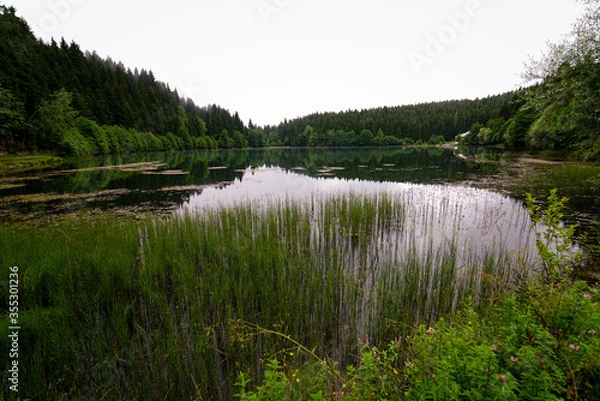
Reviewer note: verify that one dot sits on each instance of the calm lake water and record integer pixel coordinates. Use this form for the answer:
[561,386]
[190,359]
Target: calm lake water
[479,194]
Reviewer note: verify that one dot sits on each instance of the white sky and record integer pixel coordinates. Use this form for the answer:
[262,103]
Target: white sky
[276,59]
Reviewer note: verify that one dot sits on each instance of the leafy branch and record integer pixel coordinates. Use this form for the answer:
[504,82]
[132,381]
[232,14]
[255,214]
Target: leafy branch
[553,239]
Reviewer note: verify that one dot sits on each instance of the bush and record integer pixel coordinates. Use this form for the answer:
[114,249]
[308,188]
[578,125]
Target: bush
[387,141]
[95,135]
[72,143]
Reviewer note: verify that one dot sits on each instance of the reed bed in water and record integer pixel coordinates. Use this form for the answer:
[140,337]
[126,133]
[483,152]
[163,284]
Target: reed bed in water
[168,308]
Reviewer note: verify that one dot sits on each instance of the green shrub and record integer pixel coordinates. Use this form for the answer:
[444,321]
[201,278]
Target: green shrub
[72,143]
[554,239]
[95,135]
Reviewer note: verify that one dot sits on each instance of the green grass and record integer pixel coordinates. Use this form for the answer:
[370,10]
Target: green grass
[175,308]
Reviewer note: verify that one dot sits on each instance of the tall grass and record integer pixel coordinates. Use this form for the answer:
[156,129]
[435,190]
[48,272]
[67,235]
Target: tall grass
[169,308]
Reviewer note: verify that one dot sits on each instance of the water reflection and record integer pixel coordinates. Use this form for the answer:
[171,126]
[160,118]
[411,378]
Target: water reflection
[160,181]
[430,245]
[474,221]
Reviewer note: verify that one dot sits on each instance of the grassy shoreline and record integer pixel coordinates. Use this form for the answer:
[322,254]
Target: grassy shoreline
[177,308]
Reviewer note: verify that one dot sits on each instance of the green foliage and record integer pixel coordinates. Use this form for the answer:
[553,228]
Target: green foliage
[436,140]
[56,116]
[306,383]
[387,141]
[554,240]
[517,131]
[239,140]
[567,95]
[456,362]
[256,138]
[46,83]
[95,134]
[415,122]
[162,304]
[378,375]
[540,345]
[159,309]
[12,115]
[225,141]
[72,143]
[365,138]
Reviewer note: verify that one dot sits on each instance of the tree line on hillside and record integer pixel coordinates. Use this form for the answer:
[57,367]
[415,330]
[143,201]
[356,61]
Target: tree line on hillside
[53,96]
[422,123]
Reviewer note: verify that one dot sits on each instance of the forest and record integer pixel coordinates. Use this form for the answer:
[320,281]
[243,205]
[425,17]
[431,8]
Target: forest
[55,97]
[402,125]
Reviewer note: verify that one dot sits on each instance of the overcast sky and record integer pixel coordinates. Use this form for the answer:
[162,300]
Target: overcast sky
[276,59]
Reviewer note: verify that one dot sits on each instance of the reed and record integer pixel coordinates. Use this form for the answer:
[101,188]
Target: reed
[168,308]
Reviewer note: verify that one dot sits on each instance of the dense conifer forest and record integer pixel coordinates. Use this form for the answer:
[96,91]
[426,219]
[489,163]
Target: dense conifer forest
[53,96]
[430,122]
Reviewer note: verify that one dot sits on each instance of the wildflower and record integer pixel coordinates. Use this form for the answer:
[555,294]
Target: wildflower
[430,330]
[494,348]
[514,359]
[586,296]
[433,376]
[592,332]
[574,347]
[502,378]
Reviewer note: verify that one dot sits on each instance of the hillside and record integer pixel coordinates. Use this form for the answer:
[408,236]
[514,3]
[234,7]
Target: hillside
[50,92]
[439,121]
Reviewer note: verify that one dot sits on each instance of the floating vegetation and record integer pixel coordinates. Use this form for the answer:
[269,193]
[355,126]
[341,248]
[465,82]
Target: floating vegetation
[129,167]
[166,172]
[4,186]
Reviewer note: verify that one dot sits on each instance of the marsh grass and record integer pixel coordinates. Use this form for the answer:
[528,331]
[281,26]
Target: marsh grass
[173,308]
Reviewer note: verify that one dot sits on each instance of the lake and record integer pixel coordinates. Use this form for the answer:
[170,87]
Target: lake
[178,271]
[481,190]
